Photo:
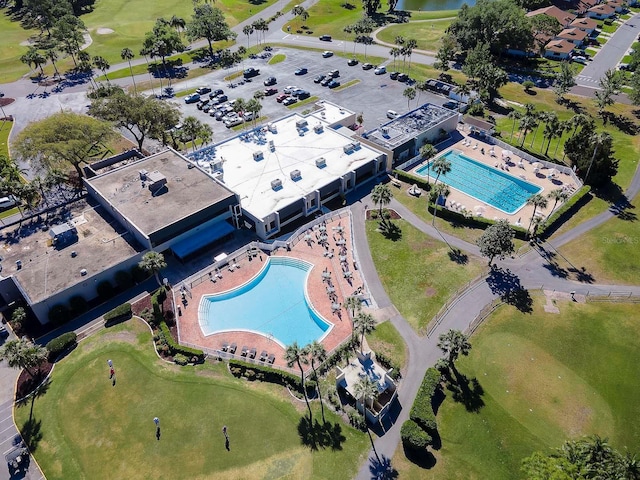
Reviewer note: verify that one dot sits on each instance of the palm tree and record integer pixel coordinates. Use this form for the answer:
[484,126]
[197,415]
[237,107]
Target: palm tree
[578,120]
[127,54]
[427,152]
[557,195]
[23,353]
[409,93]
[34,59]
[352,304]
[298,356]
[317,353]
[439,190]
[381,195]
[541,118]
[365,389]
[441,166]
[550,130]
[153,262]
[394,52]
[178,24]
[191,128]
[514,115]
[597,139]
[365,323]
[247,30]
[52,55]
[411,44]
[527,123]
[538,201]
[453,344]
[101,64]
[563,126]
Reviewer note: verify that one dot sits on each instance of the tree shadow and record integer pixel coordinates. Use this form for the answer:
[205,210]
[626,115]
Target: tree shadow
[574,106]
[507,285]
[458,256]
[621,209]
[31,430]
[381,468]
[390,230]
[624,124]
[423,458]
[463,390]
[318,436]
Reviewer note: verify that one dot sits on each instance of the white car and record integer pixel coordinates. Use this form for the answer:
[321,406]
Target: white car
[381,70]
[233,122]
[290,89]
[327,54]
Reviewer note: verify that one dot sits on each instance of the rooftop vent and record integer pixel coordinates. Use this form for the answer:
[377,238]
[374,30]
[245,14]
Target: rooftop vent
[272,147]
[156,180]
[74,254]
[348,148]
[143,174]
[301,132]
[295,175]
[301,124]
[385,131]
[272,128]
[318,128]
[321,162]
[257,156]
[83,272]
[276,184]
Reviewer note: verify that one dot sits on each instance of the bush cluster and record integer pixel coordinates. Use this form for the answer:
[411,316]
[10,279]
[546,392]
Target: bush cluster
[124,279]
[341,353]
[180,359]
[105,290]
[194,355]
[265,373]
[121,312]
[416,432]
[78,305]
[567,209]
[389,364]
[58,314]
[479,222]
[60,344]
[412,179]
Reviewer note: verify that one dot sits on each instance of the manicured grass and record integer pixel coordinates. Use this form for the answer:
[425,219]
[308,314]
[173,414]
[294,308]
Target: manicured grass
[5,130]
[546,378]
[301,103]
[428,34]
[91,429]
[329,17]
[11,68]
[610,28]
[609,252]
[387,340]
[350,83]
[417,272]
[280,57]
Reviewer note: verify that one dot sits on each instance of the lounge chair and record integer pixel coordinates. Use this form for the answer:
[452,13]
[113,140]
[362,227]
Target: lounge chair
[232,348]
[252,353]
[218,274]
[272,358]
[263,356]
[225,346]
[231,267]
[244,351]
[211,277]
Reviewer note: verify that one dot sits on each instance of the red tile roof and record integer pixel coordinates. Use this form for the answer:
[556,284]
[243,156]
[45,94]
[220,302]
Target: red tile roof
[559,46]
[572,34]
[564,18]
[584,23]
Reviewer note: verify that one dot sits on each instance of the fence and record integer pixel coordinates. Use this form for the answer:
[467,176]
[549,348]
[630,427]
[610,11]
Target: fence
[482,316]
[626,297]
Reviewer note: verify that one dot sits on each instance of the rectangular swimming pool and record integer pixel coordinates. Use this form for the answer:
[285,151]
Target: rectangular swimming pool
[482,182]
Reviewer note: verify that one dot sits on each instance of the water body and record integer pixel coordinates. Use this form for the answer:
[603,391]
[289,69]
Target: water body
[432,5]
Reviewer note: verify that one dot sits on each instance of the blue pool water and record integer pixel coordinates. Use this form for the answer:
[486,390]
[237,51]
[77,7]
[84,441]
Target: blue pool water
[489,185]
[273,303]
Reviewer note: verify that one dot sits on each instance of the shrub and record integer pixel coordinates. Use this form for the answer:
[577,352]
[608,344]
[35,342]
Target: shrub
[412,179]
[121,312]
[373,214]
[422,409]
[268,374]
[124,279]
[180,359]
[476,109]
[58,314]
[60,344]
[78,305]
[357,421]
[105,290]
[477,222]
[565,211]
[528,85]
[139,274]
[413,436]
[175,348]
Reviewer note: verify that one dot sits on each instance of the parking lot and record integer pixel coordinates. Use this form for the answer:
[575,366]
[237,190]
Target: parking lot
[372,96]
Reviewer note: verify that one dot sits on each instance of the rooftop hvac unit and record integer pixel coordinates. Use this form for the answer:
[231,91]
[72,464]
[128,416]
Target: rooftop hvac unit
[218,175]
[385,131]
[156,180]
[143,174]
[257,156]
[216,166]
[295,175]
[272,147]
[323,114]
[356,145]
[301,124]
[276,184]
[321,162]
[348,148]
[83,272]
[301,132]
[318,128]
[272,128]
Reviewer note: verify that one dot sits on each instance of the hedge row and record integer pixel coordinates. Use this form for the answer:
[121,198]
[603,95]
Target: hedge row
[60,344]
[175,348]
[567,209]
[478,222]
[422,410]
[265,373]
[121,312]
[389,364]
[414,436]
[341,353]
[412,179]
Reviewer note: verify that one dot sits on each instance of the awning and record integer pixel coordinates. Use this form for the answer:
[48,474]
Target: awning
[201,239]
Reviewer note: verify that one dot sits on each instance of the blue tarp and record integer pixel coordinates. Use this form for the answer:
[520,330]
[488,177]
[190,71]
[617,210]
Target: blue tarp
[201,239]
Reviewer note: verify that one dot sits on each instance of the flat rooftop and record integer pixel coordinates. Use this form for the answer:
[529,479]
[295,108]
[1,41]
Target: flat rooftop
[46,270]
[251,178]
[188,190]
[407,126]
[330,113]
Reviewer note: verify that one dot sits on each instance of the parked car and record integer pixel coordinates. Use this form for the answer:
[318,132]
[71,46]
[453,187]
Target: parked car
[3,331]
[203,90]
[451,105]
[249,116]
[325,38]
[326,81]
[327,54]
[393,75]
[392,114]
[334,73]
[403,77]
[367,66]
[290,89]
[381,70]
[202,104]
[250,72]
[220,99]
[352,62]
[270,91]
[319,78]
[289,101]
[282,97]
[193,98]
[300,71]
[270,81]
[579,59]
[303,94]
[216,92]
[333,84]
[207,108]
[233,122]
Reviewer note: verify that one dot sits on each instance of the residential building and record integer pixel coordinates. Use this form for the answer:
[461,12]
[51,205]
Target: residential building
[573,35]
[558,49]
[563,18]
[602,11]
[587,25]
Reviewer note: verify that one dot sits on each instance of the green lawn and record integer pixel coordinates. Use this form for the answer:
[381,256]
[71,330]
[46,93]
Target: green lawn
[609,252]
[87,428]
[5,130]
[11,68]
[417,271]
[387,340]
[546,378]
[428,34]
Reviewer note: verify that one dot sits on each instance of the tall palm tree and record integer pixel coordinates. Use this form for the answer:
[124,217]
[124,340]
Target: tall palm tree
[550,130]
[454,343]
[514,115]
[153,262]
[52,55]
[439,190]
[409,47]
[381,195]
[248,30]
[527,123]
[365,389]
[23,354]
[127,54]
[352,304]
[538,201]
[441,166]
[577,121]
[178,24]
[597,139]
[427,152]
[563,126]
[394,52]
[557,195]
[365,323]
[317,353]
[541,117]
[295,355]
[409,93]
[101,64]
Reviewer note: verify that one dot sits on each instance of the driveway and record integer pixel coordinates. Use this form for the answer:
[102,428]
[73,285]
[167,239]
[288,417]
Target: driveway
[610,54]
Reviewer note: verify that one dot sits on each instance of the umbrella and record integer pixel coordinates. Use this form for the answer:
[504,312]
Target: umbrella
[553,172]
[537,165]
[507,153]
[479,209]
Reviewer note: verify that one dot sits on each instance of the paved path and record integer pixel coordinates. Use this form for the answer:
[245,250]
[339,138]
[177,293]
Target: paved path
[610,54]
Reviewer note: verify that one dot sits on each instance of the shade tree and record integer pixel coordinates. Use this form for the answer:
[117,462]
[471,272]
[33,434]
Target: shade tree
[208,22]
[496,241]
[23,354]
[152,262]
[454,343]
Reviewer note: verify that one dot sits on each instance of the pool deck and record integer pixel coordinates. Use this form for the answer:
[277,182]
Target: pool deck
[312,252]
[516,167]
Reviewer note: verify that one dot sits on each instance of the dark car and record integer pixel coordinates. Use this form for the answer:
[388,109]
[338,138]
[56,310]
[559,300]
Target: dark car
[367,66]
[216,92]
[319,78]
[289,101]
[352,62]
[203,90]
[327,54]
[202,104]
[3,331]
[193,98]
[282,97]
[301,71]
[333,84]
[250,72]
[270,81]
[394,75]
[403,77]
[326,81]
[270,91]
[220,99]
[325,38]
[303,94]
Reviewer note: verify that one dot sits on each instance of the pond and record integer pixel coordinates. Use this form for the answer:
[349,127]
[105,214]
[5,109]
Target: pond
[432,5]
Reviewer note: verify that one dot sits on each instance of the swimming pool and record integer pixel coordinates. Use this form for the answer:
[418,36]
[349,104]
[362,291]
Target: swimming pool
[489,185]
[274,303]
